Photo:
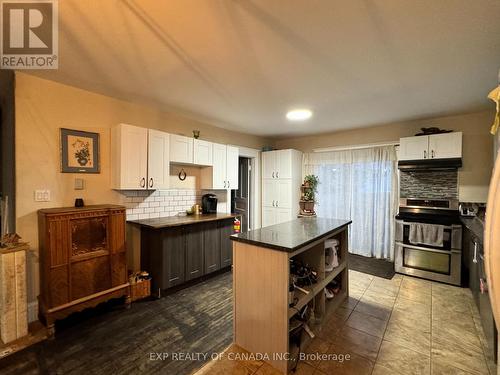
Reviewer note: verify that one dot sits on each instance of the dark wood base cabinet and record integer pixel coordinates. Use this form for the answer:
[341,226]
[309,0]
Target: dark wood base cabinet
[179,254]
[82,259]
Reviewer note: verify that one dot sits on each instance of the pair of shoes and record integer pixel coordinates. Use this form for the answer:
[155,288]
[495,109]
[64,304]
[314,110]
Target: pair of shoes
[329,293]
[331,257]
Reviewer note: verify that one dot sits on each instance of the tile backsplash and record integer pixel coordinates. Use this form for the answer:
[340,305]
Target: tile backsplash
[159,203]
[429,184]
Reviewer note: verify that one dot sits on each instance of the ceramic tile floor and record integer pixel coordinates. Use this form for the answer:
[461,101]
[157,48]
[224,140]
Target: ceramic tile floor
[400,326]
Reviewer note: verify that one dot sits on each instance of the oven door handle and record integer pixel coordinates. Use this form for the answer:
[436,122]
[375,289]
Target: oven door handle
[450,227]
[430,250]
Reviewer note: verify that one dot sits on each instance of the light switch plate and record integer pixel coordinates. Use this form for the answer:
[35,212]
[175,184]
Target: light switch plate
[42,195]
[78,183]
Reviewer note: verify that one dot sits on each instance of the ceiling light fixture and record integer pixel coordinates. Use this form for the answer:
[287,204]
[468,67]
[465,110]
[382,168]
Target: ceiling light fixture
[299,114]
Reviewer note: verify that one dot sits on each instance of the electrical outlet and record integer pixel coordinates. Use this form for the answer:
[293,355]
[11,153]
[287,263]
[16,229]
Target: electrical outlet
[42,195]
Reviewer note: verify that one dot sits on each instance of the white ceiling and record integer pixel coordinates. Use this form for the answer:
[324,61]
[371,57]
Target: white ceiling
[243,63]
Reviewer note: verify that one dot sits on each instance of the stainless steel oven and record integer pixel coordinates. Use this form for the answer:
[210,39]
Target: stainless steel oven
[441,261]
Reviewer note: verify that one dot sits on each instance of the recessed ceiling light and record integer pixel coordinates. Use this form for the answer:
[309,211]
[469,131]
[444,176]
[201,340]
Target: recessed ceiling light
[299,114]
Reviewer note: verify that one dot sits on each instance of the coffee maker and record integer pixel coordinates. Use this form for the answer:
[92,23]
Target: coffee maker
[209,204]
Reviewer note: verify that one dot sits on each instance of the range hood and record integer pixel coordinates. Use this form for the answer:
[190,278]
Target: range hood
[430,164]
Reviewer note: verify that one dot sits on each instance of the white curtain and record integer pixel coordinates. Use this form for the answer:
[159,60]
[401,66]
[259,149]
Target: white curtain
[360,185]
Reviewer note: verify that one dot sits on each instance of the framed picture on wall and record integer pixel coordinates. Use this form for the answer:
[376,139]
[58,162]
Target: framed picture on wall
[79,151]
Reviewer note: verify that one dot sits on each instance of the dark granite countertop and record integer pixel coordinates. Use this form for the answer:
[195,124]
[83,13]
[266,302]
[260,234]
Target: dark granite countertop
[291,235]
[475,225]
[176,221]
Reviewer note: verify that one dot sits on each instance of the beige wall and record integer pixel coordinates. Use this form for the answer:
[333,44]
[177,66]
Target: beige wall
[42,107]
[475,174]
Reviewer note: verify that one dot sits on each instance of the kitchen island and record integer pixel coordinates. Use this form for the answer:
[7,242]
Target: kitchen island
[182,249]
[263,316]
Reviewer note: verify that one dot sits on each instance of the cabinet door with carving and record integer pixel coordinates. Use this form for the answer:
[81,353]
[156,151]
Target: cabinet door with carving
[117,248]
[57,286]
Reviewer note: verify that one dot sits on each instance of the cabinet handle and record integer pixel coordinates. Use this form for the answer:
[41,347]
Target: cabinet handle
[228,184]
[273,202]
[143,182]
[432,154]
[151,182]
[425,154]
[273,174]
[224,184]
[474,259]
[277,175]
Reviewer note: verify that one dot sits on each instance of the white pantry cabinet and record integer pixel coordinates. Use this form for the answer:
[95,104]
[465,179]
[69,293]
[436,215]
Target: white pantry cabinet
[202,152]
[282,175]
[139,158]
[181,149]
[224,171]
[436,146]
[276,164]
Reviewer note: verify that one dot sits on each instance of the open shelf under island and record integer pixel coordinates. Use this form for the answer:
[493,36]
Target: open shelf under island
[261,273]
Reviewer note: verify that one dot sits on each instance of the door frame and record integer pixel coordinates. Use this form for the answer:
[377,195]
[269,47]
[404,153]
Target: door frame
[255,198]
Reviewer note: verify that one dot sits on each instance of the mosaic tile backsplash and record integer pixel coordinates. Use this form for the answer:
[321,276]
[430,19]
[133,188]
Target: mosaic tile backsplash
[429,184]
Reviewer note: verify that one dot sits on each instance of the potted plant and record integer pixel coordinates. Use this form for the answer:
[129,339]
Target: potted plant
[310,187]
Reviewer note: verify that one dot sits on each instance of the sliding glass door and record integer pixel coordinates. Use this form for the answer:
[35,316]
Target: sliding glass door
[360,185]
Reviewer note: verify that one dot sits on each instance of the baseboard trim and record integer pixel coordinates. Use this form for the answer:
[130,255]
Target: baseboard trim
[32,311]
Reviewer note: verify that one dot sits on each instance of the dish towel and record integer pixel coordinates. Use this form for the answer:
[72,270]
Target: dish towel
[426,234]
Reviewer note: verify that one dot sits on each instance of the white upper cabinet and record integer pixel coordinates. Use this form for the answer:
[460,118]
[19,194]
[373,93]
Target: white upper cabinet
[437,146]
[232,166]
[224,171]
[139,158]
[219,167]
[414,148]
[158,159]
[202,152]
[181,149]
[445,146]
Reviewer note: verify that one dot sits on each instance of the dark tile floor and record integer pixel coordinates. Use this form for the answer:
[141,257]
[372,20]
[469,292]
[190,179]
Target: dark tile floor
[112,340]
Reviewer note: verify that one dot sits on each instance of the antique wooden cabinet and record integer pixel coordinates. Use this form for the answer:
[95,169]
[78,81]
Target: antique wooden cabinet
[82,259]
